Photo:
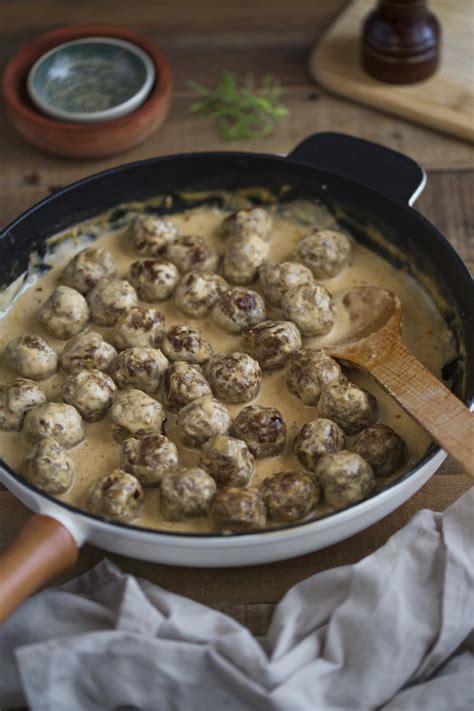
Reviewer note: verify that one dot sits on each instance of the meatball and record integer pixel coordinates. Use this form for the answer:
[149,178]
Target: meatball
[243,257]
[65,313]
[91,392]
[153,281]
[184,343]
[150,235]
[352,408]
[192,252]
[88,351]
[234,377]
[139,327]
[87,268]
[182,383]
[325,252]
[149,458]
[31,357]
[235,509]
[135,414]
[276,279]
[202,419]
[48,467]
[228,460]
[109,298]
[246,223]
[16,398]
[53,419]
[310,307]
[141,368]
[316,438]
[309,371]
[289,496]
[262,429]
[198,291]
[271,342]
[345,478]
[238,309]
[382,448]
[186,492]
[118,496]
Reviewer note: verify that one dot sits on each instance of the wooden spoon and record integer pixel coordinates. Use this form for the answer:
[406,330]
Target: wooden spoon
[374,344]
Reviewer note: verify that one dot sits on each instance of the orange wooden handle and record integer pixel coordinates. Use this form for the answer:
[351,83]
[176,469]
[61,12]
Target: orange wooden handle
[43,548]
[430,402]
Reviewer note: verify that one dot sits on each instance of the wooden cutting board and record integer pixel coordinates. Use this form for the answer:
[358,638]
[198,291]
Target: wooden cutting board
[445,101]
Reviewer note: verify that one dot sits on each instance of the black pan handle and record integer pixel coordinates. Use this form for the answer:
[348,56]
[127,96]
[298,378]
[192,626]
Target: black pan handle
[370,164]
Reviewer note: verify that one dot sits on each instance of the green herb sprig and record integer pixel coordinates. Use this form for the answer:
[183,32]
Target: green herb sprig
[250,111]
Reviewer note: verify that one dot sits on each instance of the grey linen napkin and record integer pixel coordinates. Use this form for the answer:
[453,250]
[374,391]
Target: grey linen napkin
[395,631]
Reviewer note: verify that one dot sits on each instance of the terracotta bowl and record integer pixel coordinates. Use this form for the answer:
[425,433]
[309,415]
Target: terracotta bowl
[84,140]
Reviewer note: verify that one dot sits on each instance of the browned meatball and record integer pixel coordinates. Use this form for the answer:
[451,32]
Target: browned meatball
[309,371]
[325,252]
[345,478]
[182,383]
[31,357]
[139,327]
[109,298]
[152,280]
[234,377]
[192,252]
[202,419]
[243,257]
[91,392]
[289,496]
[184,343]
[142,368]
[48,467]
[238,309]
[235,509]
[316,438]
[247,222]
[198,291]
[271,342]
[16,398]
[65,313]
[382,448]
[228,460]
[276,279]
[88,351]
[352,408]
[149,458]
[135,414]
[263,429]
[310,307]
[186,492]
[87,268]
[150,235]
[117,496]
[53,419]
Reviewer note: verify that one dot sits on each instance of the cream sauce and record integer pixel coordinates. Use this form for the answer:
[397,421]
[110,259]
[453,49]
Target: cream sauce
[424,330]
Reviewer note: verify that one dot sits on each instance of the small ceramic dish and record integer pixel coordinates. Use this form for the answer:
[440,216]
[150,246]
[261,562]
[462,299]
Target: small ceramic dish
[91,79]
[92,139]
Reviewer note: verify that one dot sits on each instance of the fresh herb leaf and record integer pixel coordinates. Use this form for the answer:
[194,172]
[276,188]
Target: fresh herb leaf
[241,113]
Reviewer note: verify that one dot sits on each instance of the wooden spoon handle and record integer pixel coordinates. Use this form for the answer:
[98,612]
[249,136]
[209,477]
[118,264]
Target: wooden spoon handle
[43,548]
[430,402]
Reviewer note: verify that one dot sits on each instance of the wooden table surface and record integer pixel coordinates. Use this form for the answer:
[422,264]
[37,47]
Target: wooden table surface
[201,38]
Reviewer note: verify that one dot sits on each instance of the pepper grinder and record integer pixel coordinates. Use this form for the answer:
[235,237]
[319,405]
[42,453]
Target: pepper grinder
[401,41]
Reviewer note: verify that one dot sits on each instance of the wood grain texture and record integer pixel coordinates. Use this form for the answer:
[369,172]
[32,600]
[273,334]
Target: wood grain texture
[200,41]
[445,101]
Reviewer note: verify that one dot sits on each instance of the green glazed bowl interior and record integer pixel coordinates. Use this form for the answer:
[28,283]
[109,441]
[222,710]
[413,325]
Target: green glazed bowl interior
[91,79]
